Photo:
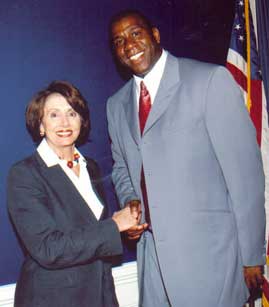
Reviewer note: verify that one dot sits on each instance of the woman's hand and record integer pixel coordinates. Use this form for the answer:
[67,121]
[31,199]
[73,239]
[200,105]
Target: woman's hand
[125,218]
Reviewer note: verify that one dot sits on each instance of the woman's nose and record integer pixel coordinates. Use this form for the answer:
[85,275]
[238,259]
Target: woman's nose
[65,120]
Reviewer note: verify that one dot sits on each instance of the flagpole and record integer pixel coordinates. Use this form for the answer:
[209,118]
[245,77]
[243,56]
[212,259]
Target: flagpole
[248,55]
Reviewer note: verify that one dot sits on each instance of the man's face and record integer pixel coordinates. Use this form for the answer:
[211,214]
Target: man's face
[135,45]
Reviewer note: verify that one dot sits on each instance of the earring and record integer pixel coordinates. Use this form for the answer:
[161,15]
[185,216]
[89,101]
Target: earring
[42,133]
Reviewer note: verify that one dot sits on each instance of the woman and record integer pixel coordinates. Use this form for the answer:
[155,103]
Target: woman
[56,204]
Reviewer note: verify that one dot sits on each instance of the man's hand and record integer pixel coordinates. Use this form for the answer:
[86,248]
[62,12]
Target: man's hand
[135,232]
[253,276]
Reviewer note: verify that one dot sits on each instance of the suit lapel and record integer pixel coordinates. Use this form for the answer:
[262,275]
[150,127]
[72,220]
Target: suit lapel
[131,111]
[170,82]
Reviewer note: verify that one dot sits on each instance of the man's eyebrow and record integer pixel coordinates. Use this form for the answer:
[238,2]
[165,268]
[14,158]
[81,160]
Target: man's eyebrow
[132,27]
[116,36]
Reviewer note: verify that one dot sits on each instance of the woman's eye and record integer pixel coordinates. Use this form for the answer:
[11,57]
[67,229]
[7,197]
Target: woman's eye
[72,114]
[53,115]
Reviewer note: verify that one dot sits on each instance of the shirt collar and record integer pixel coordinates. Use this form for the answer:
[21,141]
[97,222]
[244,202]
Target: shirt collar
[153,77]
[49,156]
[155,72]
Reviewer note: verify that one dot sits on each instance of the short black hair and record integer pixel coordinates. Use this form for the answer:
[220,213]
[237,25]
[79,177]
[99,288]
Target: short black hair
[130,12]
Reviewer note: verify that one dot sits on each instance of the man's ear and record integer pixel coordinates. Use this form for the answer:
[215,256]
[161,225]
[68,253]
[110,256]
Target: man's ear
[156,35]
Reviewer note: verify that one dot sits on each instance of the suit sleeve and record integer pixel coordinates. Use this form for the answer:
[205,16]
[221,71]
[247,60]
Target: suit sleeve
[120,173]
[234,140]
[51,245]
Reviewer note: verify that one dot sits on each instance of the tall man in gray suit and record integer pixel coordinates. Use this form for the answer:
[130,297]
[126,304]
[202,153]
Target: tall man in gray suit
[185,154]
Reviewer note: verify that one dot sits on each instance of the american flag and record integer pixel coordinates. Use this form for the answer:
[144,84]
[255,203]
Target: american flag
[265,295]
[243,62]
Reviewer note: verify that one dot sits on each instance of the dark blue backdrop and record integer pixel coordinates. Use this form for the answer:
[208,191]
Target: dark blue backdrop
[67,39]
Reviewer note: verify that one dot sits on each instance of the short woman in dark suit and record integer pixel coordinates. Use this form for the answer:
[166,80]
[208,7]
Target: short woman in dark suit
[56,203]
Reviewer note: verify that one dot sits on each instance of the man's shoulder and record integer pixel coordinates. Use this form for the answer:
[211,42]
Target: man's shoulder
[192,65]
[122,92]
[196,69]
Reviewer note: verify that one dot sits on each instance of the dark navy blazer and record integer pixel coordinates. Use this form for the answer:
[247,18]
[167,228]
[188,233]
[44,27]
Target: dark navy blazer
[68,251]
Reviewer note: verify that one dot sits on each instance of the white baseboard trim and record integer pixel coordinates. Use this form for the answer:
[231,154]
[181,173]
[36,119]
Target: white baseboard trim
[125,278]
[7,295]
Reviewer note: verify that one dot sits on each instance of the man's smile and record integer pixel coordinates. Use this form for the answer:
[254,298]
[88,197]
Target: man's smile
[136,56]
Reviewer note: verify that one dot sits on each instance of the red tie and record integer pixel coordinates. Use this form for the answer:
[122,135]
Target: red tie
[144,106]
[144,109]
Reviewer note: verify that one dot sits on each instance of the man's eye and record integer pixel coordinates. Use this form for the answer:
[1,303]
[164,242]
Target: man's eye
[118,42]
[136,33]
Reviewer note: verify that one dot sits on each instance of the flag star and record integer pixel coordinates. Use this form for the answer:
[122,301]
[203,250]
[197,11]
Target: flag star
[241,3]
[237,27]
[241,38]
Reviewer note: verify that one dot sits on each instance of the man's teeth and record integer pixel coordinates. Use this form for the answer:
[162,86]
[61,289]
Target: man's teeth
[136,56]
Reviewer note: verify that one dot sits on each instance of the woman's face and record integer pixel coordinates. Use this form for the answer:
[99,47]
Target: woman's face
[61,123]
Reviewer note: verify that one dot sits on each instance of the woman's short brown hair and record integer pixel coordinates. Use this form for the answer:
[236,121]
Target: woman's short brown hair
[35,109]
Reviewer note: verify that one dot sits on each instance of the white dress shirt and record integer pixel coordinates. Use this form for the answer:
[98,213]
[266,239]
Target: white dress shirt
[152,79]
[81,182]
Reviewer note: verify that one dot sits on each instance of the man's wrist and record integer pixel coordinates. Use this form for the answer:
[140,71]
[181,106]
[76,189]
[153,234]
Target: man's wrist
[133,202]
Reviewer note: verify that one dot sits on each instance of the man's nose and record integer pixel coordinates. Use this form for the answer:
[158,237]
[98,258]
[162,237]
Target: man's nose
[129,43]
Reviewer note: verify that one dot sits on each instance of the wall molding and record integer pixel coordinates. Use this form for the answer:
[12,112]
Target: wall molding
[125,277]
[7,295]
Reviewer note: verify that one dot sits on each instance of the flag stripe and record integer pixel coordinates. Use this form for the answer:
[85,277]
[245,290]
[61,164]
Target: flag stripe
[265,294]
[256,109]
[238,75]
[243,63]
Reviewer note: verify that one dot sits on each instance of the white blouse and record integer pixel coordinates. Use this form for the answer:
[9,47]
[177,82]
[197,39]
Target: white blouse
[81,182]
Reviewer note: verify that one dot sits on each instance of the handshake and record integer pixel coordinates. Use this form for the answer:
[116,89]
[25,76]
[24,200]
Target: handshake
[128,219]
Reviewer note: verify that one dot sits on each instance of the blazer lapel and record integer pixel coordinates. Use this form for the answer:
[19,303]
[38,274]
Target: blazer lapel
[131,111]
[63,187]
[170,83]
[97,186]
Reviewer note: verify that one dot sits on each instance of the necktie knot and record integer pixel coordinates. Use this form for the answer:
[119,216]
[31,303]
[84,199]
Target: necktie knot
[143,90]
[144,105]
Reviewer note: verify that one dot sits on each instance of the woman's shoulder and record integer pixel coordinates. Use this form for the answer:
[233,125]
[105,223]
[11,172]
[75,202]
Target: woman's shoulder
[25,162]
[25,165]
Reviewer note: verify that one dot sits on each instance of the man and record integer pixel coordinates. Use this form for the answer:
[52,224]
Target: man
[184,148]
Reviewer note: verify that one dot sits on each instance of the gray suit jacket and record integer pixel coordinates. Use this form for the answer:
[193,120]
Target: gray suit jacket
[204,179]
[67,251]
